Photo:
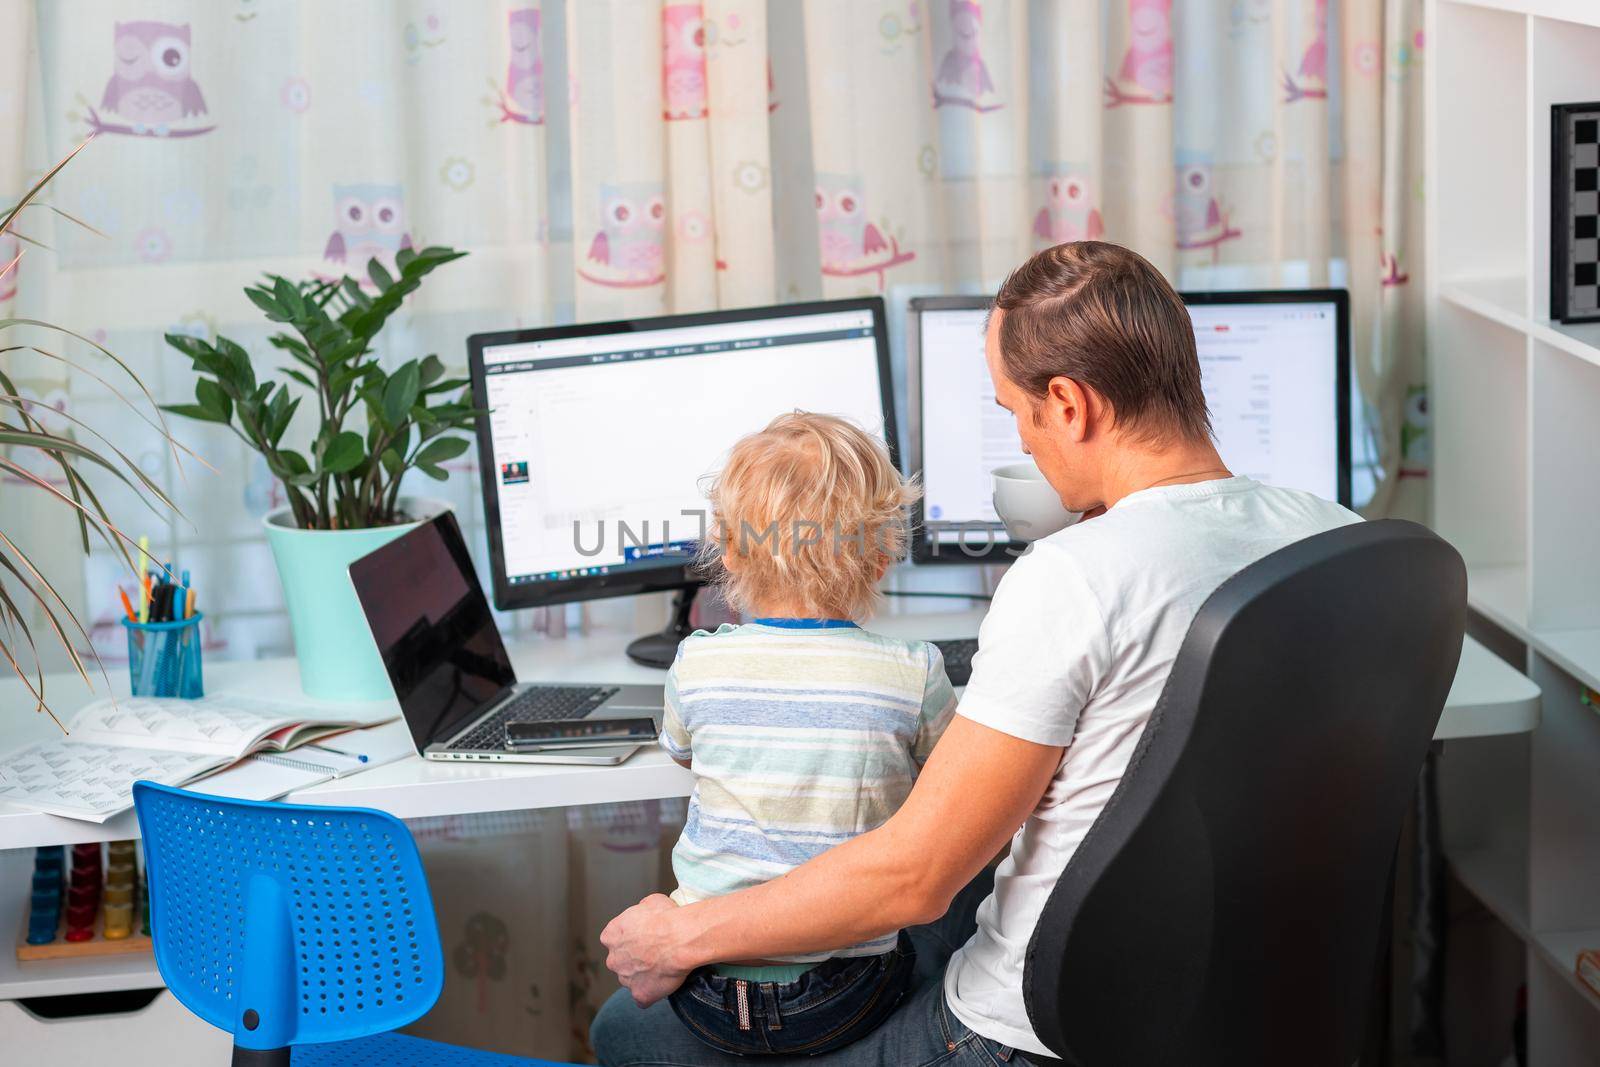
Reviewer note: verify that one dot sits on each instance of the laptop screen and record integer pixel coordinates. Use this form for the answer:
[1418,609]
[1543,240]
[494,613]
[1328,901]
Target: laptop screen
[432,626]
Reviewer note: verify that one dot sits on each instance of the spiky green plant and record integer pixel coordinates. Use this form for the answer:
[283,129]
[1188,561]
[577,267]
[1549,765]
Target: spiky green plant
[56,442]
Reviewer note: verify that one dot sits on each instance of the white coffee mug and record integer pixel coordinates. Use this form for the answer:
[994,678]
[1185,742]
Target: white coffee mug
[1027,504]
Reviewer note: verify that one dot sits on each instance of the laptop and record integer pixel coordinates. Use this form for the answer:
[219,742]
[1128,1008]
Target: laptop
[442,649]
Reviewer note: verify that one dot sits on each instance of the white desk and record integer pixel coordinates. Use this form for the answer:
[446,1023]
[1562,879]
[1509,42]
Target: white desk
[1488,698]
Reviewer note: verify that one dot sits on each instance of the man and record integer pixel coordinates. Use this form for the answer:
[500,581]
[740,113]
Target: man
[1093,353]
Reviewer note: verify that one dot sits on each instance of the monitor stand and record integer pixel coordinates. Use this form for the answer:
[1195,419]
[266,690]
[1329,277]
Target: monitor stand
[660,649]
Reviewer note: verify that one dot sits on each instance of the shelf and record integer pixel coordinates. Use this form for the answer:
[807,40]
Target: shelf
[1560,950]
[1579,339]
[1500,594]
[1472,109]
[54,978]
[1582,12]
[1575,651]
[1512,403]
[1500,881]
[1515,7]
[1480,479]
[1500,299]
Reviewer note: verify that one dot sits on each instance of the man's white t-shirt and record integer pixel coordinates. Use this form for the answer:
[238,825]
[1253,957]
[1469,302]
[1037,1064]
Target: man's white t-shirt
[1074,651]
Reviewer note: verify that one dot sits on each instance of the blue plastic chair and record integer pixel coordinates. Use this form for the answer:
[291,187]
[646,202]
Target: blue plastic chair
[306,932]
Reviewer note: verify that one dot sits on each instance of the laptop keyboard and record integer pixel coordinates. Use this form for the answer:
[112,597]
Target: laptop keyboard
[540,703]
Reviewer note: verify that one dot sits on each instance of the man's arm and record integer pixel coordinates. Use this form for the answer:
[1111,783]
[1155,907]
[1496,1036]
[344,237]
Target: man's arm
[978,787]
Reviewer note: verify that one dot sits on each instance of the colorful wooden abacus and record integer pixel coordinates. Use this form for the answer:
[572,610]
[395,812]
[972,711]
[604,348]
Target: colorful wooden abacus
[89,910]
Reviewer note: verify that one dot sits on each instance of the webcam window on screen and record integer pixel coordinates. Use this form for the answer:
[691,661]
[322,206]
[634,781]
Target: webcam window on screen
[697,388]
[1269,374]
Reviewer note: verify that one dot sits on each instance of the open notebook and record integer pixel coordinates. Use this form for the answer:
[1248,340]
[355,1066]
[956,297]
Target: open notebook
[270,775]
[111,744]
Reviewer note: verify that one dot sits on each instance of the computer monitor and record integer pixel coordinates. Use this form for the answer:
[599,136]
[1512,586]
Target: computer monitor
[1275,366]
[598,437]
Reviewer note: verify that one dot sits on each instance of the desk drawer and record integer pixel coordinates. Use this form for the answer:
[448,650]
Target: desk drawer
[163,1034]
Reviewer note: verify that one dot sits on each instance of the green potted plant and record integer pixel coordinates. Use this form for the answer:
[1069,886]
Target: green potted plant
[343,488]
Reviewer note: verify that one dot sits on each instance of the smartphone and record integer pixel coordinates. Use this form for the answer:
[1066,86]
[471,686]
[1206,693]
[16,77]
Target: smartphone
[578,733]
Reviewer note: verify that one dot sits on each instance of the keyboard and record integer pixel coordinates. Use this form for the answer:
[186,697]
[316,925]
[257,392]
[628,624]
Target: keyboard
[539,703]
[958,658]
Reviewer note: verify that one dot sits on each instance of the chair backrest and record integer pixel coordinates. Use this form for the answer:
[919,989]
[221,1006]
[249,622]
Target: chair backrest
[288,924]
[1227,905]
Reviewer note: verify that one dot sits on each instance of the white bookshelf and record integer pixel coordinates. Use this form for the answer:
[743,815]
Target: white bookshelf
[1516,416]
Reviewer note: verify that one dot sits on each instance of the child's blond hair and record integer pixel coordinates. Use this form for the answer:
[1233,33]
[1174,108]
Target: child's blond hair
[806,513]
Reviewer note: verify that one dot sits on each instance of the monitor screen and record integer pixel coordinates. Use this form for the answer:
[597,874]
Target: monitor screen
[1274,367]
[599,438]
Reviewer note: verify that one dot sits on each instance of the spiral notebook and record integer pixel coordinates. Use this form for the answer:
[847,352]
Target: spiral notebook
[270,775]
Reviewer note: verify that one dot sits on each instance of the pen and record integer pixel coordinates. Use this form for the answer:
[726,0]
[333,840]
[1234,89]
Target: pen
[144,577]
[127,605]
[188,604]
[362,756]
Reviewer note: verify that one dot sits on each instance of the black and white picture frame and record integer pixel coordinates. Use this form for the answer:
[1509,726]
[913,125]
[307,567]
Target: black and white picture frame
[1575,212]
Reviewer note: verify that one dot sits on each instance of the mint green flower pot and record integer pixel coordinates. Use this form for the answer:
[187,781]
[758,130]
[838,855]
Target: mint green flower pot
[338,659]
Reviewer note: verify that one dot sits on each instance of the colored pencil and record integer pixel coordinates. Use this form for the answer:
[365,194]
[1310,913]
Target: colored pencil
[144,579]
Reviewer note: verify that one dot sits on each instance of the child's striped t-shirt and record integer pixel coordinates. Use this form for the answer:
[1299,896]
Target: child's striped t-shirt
[801,735]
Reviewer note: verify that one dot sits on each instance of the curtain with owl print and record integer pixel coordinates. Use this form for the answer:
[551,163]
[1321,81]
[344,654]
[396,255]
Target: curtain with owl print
[1248,144]
[627,157]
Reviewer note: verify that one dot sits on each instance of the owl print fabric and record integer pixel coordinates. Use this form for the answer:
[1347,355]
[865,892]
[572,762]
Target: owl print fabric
[369,223]
[683,62]
[152,91]
[1069,212]
[522,100]
[629,251]
[714,155]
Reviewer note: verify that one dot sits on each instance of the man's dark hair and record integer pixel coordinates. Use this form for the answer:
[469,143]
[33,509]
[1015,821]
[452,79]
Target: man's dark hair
[1101,315]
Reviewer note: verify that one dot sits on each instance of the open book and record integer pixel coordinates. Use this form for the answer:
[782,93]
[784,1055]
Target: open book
[111,744]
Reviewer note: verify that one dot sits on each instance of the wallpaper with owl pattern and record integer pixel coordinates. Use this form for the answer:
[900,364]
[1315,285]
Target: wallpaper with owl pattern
[628,157]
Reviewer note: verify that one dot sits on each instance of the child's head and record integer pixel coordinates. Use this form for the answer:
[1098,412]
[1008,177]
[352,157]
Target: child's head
[806,516]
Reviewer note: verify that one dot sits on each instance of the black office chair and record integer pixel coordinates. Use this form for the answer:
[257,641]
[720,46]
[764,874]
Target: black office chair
[1227,907]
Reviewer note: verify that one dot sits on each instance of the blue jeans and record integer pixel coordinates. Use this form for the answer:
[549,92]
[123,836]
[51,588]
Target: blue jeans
[921,1031]
[827,1008]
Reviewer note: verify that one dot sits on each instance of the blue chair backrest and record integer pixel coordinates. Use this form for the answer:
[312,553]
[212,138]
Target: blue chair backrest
[288,924]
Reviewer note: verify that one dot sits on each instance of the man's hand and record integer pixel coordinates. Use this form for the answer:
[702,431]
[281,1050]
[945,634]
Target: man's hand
[637,943]
[977,788]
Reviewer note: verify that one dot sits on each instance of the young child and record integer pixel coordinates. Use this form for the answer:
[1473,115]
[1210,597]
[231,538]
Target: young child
[803,729]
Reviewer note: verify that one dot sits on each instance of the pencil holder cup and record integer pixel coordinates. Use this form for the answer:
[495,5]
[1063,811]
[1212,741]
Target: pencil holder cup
[164,658]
